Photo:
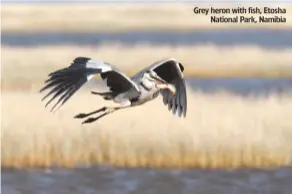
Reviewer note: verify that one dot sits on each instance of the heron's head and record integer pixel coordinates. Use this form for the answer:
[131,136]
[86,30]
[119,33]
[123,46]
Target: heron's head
[159,82]
[152,76]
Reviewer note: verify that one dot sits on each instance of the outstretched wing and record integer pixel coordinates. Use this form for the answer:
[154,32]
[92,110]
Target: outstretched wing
[171,71]
[65,82]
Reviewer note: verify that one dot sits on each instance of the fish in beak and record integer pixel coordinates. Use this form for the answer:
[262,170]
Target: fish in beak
[172,89]
[162,84]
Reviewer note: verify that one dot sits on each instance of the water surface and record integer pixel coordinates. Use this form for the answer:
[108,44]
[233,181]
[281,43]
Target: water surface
[110,180]
[268,38]
[241,86]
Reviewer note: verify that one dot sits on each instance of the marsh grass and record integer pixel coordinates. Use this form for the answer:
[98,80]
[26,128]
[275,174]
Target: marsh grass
[30,65]
[123,17]
[220,131]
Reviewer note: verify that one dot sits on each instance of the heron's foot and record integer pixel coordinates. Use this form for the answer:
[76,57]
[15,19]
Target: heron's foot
[81,116]
[95,93]
[89,120]
[106,110]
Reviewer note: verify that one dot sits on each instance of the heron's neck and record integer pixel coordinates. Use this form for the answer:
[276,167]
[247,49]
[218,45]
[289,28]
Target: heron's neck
[147,84]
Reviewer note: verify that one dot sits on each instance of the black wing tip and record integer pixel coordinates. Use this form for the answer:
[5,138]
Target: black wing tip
[62,87]
[80,60]
[58,71]
[181,67]
[67,81]
[41,90]
[61,74]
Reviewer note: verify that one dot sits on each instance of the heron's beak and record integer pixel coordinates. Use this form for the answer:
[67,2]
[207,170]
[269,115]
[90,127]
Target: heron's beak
[159,80]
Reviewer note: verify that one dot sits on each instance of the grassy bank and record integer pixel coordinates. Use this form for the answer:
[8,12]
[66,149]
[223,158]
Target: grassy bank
[220,130]
[124,17]
[26,66]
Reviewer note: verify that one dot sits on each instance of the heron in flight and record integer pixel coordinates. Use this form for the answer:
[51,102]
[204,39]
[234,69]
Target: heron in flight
[163,77]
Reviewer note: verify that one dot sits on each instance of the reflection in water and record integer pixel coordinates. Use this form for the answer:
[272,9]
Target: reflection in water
[272,38]
[109,180]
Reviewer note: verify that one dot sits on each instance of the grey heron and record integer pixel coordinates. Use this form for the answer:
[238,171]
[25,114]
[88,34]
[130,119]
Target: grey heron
[163,77]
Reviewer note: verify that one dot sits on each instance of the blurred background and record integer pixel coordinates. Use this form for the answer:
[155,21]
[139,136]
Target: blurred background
[236,137]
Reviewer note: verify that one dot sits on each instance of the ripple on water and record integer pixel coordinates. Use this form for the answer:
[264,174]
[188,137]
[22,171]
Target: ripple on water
[121,181]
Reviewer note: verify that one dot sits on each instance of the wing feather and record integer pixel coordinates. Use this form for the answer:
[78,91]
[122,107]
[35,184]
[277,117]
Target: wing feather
[171,71]
[65,82]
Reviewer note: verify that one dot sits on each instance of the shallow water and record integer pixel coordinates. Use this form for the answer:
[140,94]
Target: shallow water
[110,180]
[268,38]
[241,86]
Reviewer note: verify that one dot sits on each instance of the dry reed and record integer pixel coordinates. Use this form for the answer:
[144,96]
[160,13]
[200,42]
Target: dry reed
[220,130]
[118,17]
[30,65]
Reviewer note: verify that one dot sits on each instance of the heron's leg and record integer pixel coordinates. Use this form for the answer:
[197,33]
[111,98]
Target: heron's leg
[83,115]
[108,110]
[101,93]
[97,93]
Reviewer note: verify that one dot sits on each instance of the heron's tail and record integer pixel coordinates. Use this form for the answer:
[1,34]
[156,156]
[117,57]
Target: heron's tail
[65,82]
